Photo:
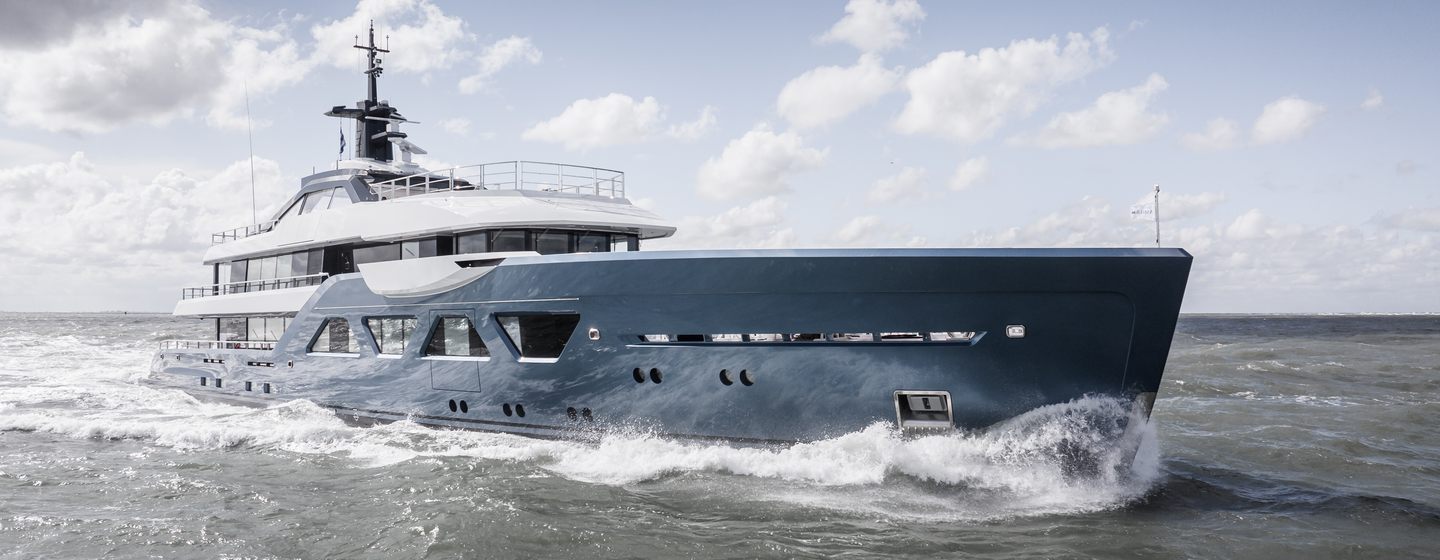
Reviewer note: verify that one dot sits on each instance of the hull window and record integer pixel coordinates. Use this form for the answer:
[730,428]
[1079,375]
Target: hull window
[539,336]
[390,333]
[335,338]
[455,336]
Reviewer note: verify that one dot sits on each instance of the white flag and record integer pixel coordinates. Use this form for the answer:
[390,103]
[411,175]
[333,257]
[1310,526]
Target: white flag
[1142,211]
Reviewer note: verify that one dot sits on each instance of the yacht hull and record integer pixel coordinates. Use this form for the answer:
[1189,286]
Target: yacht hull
[1095,322]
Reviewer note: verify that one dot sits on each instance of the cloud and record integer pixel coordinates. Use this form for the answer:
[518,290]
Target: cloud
[1406,167]
[424,37]
[36,25]
[1219,134]
[505,52]
[1373,100]
[757,224]
[1285,119]
[459,126]
[829,93]
[615,119]
[1117,117]
[875,25]
[967,97]
[143,63]
[907,184]
[1181,206]
[969,172]
[757,164]
[696,129]
[1420,219]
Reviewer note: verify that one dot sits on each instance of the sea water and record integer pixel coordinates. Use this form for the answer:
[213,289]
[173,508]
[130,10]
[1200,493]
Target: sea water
[1272,437]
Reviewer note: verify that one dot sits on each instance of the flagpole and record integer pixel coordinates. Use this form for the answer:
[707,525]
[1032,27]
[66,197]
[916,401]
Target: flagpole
[1157,215]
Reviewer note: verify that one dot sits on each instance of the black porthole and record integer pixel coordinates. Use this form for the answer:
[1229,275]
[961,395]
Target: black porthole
[265,388]
[639,375]
[205,381]
[745,378]
[219,383]
[655,375]
[586,413]
[464,406]
[725,377]
[506,409]
[452,405]
[572,413]
[520,410]
[249,386]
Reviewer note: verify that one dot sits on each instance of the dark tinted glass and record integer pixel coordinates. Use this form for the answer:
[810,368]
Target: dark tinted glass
[377,253]
[592,243]
[509,240]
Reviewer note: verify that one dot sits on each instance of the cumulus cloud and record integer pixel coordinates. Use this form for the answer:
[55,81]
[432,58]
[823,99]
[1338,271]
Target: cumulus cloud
[969,172]
[829,93]
[1420,219]
[907,184]
[875,25]
[425,38]
[1219,134]
[153,231]
[1373,100]
[759,163]
[1181,206]
[757,224]
[690,131]
[1285,119]
[504,53]
[967,97]
[1117,117]
[615,119]
[459,126]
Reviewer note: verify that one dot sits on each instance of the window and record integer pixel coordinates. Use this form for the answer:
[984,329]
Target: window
[237,270]
[539,336]
[455,336]
[233,328]
[419,248]
[508,240]
[592,243]
[626,242]
[293,210]
[334,338]
[340,198]
[552,242]
[314,200]
[391,332]
[316,263]
[377,253]
[299,264]
[477,242]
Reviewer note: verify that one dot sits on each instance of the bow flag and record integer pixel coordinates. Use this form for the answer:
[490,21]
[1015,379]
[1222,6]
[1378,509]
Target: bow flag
[342,141]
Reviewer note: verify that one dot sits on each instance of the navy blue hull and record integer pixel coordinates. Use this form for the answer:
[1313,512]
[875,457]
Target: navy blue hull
[1097,322]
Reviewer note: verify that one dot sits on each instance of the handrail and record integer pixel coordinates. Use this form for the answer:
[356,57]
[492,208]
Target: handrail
[242,232]
[516,175]
[245,286]
[217,344]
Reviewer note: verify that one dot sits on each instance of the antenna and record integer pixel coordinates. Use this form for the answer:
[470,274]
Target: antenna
[374,69]
[1157,215]
[250,138]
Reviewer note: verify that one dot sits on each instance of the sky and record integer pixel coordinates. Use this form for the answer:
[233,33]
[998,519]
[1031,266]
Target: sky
[1296,144]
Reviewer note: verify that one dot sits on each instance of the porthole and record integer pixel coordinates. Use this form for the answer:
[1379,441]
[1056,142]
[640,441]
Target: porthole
[506,409]
[265,388]
[249,386]
[464,406]
[639,376]
[572,413]
[453,407]
[655,375]
[725,377]
[520,410]
[585,412]
[745,378]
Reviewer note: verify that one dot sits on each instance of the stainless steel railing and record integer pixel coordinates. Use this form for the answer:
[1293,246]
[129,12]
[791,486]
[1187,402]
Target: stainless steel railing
[246,286]
[516,175]
[242,232]
[217,345]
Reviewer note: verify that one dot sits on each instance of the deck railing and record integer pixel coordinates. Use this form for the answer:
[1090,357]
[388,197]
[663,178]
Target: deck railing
[217,345]
[246,286]
[241,232]
[514,175]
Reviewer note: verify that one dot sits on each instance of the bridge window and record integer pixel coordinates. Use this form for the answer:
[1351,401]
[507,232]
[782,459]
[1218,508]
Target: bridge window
[377,253]
[592,242]
[552,242]
[477,242]
[455,336]
[316,200]
[339,198]
[390,333]
[508,240]
[334,338]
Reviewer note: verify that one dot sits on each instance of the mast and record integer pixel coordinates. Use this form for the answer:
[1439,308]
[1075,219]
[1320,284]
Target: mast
[375,120]
[1157,215]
